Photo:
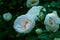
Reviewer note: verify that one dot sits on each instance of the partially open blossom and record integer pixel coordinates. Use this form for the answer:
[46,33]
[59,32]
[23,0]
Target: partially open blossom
[7,16]
[52,21]
[39,31]
[56,38]
[31,3]
[41,16]
[24,24]
[49,6]
[35,11]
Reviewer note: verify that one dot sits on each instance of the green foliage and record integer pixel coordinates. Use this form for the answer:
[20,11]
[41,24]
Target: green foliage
[17,8]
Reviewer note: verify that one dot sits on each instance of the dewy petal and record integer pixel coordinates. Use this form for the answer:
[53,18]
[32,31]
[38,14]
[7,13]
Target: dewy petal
[24,24]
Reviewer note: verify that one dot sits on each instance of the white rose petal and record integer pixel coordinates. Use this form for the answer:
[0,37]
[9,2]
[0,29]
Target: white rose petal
[51,22]
[31,3]
[59,20]
[24,24]
[7,16]
[34,12]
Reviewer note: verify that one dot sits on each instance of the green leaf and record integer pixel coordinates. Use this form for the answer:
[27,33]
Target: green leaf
[31,38]
[53,4]
[1,3]
[58,5]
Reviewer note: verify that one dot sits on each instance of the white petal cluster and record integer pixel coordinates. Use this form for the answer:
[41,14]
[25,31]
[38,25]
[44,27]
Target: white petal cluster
[24,24]
[7,16]
[35,11]
[31,3]
[52,22]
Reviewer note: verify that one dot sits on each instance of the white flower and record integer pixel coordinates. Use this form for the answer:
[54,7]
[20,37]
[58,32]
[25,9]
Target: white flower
[56,38]
[52,22]
[39,31]
[35,11]
[31,3]
[56,15]
[7,16]
[24,24]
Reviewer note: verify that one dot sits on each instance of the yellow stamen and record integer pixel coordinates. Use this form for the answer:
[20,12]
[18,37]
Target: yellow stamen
[25,23]
[50,21]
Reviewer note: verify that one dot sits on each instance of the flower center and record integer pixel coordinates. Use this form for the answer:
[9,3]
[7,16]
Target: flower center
[25,23]
[33,1]
[50,20]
